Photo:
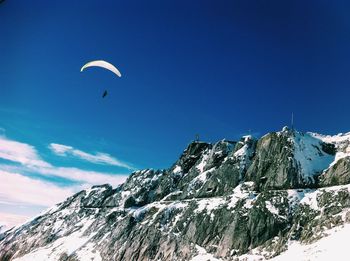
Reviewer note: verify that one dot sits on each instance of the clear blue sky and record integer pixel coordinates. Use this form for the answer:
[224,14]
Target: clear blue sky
[217,68]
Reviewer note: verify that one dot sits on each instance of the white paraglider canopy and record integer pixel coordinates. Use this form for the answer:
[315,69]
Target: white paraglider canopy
[102,64]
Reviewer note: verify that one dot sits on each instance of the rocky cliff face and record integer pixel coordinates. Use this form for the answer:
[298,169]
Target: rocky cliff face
[223,201]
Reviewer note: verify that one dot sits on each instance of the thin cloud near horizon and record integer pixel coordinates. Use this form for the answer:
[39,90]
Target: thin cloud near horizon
[19,152]
[18,189]
[30,161]
[97,158]
[26,179]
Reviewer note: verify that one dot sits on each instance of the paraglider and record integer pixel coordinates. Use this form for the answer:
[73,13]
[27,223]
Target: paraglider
[102,64]
[105,65]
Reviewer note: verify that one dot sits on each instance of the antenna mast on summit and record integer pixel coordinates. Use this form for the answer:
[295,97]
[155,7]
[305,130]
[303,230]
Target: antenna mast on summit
[197,137]
[292,121]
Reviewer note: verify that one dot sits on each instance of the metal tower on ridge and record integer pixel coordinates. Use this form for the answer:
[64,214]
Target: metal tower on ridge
[197,137]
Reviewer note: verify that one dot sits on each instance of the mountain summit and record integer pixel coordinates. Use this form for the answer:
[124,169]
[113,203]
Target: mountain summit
[233,200]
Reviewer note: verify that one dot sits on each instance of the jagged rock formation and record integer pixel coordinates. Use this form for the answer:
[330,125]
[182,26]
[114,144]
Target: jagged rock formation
[220,200]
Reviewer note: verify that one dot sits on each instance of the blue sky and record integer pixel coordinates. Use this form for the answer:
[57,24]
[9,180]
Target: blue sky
[217,68]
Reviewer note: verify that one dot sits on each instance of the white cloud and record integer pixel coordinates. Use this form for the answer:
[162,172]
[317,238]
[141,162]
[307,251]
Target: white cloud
[99,157]
[60,149]
[85,176]
[18,189]
[21,153]
[30,160]
[27,195]
[8,220]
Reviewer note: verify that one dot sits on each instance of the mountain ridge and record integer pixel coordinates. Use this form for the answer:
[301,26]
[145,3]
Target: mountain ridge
[227,201]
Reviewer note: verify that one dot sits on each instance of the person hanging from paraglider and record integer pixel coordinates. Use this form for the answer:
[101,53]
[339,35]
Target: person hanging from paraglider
[105,65]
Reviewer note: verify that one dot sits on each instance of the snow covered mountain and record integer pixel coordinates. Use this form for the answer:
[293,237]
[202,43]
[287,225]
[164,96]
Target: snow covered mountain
[283,195]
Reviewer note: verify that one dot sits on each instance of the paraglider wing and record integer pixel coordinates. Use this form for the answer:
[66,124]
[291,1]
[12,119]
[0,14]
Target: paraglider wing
[102,64]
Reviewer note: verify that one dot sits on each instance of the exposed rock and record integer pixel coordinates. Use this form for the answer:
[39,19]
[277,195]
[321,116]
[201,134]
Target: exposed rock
[338,174]
[273,166]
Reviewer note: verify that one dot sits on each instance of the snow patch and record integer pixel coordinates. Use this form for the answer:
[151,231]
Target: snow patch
[203,162]
[241,192]
[177,169]
[199,180]
[271,208]
[209,204]
[341,142]
[309,156]
[68,244]
[332,247]
[88,253]
[203,255]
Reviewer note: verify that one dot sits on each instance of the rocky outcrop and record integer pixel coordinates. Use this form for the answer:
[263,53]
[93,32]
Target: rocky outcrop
[273,166]
[289,159]
[219,200]
[338,174]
